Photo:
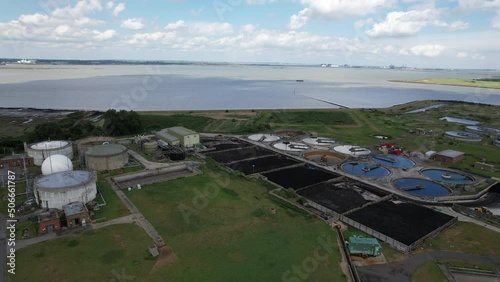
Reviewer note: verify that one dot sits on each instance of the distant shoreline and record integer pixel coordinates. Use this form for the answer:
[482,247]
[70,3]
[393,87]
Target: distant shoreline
[455,82]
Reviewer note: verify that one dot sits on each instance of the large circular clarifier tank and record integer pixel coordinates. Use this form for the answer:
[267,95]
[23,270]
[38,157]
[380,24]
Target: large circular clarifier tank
[352,151]
[324,157]
[463,136]
[421,187]
[291,146]
[366,169]
[264,137]
[496,142]
[319,141]
[448,176]
[394,161]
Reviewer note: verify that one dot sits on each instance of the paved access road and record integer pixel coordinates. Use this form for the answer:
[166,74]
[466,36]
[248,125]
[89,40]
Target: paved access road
[402,271]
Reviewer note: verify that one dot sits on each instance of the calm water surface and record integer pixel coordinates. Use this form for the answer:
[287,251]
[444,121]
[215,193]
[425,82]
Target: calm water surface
[149,88]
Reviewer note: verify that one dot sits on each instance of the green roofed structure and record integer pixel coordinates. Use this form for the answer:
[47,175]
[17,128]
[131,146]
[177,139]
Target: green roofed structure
[359,245]
[179,136]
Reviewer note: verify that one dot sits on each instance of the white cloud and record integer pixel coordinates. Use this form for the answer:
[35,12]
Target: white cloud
[462,54]
[496,22]
[409,23]
[428,50]
[200,28]
[336,9]
[479,4]
[134,24]
[118,9]
[80,9]
[106,35]
[110,5]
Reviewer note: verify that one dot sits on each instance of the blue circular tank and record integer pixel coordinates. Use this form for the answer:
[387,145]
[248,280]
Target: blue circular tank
[448,176]
[421,187]
[366,169]
[394,161]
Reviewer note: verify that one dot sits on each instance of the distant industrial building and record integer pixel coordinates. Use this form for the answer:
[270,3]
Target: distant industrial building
[449,156]
[167,137]
[179,135]
[106,157]
[15,161]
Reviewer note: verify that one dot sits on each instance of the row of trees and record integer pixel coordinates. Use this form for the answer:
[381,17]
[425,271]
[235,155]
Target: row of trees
[116,123]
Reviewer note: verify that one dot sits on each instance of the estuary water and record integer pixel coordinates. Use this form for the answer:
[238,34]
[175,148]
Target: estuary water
[208,87]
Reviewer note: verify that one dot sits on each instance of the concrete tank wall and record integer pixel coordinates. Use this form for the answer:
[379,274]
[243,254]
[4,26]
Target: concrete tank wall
[101,163]
[57,198]
[83,145]
[39,153]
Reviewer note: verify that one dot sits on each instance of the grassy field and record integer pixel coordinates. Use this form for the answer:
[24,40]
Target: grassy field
[467,238]
[457,82]
[471,265]
[91,256]
[220,227]
[114,207]
[428,271]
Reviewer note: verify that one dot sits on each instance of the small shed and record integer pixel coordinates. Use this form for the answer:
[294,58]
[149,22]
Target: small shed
[364,246]
[48,221]
[420,131]
[77,214]
[449,156]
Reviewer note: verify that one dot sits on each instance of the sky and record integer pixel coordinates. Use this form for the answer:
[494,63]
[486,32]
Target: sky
[412,33]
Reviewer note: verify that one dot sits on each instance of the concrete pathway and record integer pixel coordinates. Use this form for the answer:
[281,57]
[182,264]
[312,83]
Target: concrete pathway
[137,216]
[403,270]
[464,218]
[149,165]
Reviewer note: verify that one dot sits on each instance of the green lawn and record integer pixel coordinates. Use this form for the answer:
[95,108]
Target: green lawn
[467,238]
[231,235]
[157,122]
[114,207]
[428,271]
[91,256]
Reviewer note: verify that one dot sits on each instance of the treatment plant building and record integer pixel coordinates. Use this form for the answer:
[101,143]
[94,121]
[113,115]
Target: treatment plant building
[106,157]
[449,156]
[179,135]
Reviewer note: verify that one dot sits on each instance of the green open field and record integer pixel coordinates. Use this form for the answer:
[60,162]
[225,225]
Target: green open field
[457,82]
[466,238]
[428,271]
[227,232]
[100,255]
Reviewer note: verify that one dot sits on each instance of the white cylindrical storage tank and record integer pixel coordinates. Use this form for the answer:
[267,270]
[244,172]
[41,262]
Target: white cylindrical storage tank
[56,163]
[61,188]
[106,157]
[150,147]
[42,150]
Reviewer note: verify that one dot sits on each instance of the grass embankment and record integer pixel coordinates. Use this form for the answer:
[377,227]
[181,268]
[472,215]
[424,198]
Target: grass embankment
[228,232]
[482,83]
[100,255]
[114,207]
[428,271]
[466,238]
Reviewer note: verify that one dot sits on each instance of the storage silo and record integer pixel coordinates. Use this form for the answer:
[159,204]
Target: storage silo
[106,157]
[150,147]
[61,188]
[42,150]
